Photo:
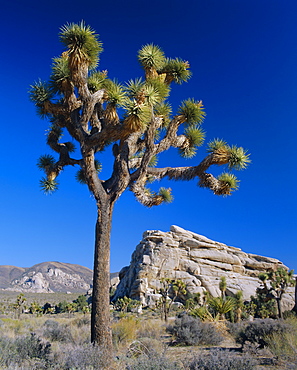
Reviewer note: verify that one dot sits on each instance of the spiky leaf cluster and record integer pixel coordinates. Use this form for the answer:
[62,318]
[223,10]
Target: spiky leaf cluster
[151,56]
[97,80]
[164,111]
[192,112]
[48,186]
[80,175]
[134,87]
[159,86]
[153,162]
[176,70]
[195,136]
[230,180]
[115,92]
[81,41]
[54,132]
[166,195]
[137,116]
[238,158]
[60,73]
[40,92]
[216,144]
[70,146]
[45,161]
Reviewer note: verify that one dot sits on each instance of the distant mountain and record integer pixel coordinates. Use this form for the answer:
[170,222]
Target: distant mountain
[46,277]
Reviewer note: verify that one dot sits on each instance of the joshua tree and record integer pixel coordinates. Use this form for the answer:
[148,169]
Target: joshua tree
[177,288]
[223,286]
[81,100]
[275,284]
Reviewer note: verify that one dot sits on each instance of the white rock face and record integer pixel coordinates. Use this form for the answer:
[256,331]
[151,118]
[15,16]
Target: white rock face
[195,259]
[49,277]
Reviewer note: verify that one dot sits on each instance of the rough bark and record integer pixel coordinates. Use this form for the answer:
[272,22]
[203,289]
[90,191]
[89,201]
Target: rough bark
[279,307]
[100,319]
[294,309]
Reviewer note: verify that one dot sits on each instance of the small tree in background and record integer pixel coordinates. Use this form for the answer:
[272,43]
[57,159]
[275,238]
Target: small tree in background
[19,305]
[81,100]
[170,287]
[275,284]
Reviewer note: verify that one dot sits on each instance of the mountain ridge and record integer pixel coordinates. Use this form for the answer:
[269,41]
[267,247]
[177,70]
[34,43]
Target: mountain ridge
[46,277]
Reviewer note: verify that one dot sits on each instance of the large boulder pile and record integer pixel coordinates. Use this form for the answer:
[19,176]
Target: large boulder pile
[196,260]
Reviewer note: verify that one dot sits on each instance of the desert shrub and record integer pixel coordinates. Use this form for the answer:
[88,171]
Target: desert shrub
[283,344]
[23,348]
[256,332]
[125,330]
[56,332]
[190,331]
[235,328]
[221,360]
[150,329]
[81,357]
[86,320]
[145,346]
[152,362]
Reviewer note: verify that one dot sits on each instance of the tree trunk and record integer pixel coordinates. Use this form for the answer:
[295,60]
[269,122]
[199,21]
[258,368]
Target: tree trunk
[279,308]
[100,318]
[294,309]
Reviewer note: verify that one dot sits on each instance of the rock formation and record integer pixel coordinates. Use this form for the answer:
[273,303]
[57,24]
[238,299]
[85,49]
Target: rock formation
[46,277]
[195,259]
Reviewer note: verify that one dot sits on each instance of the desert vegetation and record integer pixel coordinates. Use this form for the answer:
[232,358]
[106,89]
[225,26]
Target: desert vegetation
[223,333]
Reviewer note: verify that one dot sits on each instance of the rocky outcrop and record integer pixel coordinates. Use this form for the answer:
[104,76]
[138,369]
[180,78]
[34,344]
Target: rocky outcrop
[198,261]
[46,277]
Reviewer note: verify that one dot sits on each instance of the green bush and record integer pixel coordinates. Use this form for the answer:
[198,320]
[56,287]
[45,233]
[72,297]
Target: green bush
[221,360]
[190,331]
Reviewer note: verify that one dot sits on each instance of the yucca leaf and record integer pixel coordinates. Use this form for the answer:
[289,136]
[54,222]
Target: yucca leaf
[151,56]
[176,70]
[159,86]
[165,193]
[45,161]
[48,186]
[40,92]
[192,112]
[70,146]
[216,144]
[82,41]
[153,162]
[96,80]
[60,73]
[133,87]
[115,92]
[164,111]
[238,158]
[187,152]
[195,136]
[230,180]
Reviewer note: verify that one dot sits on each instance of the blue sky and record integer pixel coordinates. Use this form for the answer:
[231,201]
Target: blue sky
[243,55]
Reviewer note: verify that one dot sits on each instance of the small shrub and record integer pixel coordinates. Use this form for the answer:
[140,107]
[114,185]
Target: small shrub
[124,330]
[145,346]
[192,332]
[83,357]
[56,332]
[150,329]
[23,348]
[221,360]
[152,362]
[256,332]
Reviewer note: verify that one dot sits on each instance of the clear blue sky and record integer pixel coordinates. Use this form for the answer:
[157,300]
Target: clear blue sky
[243,56]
